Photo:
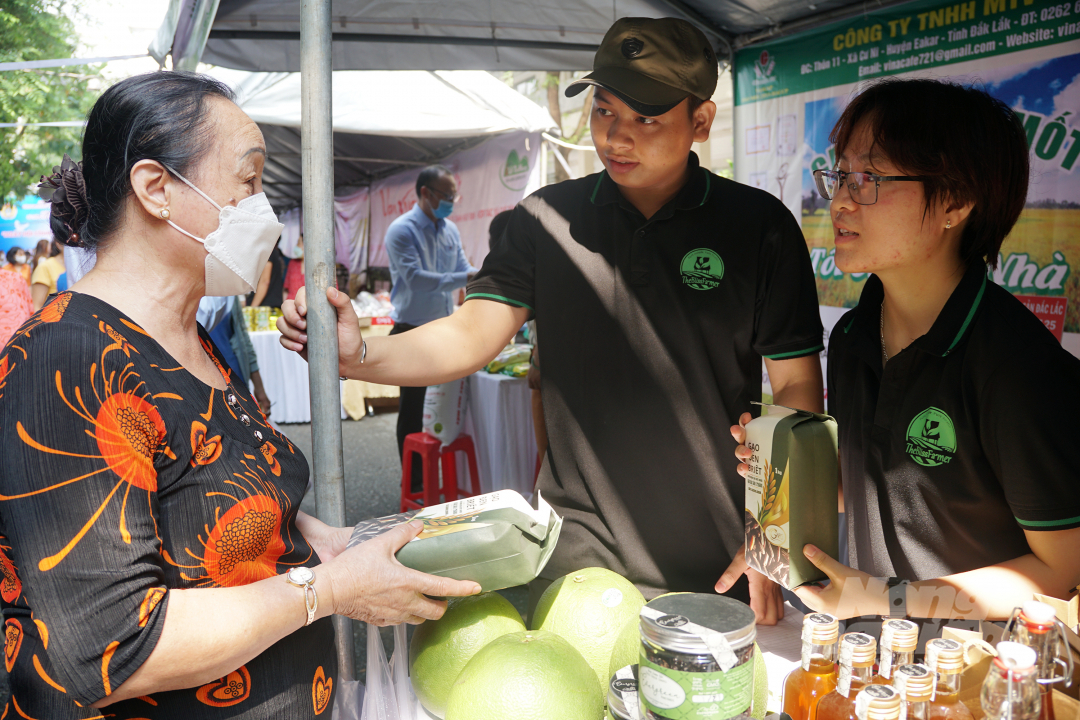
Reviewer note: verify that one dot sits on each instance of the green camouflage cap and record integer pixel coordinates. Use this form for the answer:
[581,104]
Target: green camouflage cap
[652,64]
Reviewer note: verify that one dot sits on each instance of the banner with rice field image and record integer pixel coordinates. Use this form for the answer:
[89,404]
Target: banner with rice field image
[790,93]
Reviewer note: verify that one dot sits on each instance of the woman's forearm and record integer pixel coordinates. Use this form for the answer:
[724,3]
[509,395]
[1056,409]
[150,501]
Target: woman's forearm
[210,632]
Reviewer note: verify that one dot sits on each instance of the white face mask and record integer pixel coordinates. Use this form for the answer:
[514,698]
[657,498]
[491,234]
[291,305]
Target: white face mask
[238,250]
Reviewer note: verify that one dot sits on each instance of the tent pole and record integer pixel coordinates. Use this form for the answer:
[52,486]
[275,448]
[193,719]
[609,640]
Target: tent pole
[317,161]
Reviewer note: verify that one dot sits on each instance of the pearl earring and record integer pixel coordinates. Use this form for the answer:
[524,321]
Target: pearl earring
[164,213]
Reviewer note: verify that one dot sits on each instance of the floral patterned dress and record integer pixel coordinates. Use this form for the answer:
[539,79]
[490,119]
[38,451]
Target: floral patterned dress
[123,478]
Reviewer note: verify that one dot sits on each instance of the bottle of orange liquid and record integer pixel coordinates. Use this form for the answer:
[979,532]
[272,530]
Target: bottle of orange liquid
[878,702]
[946,659]
[916,684]
[898,641]
[856,654]
[816,677]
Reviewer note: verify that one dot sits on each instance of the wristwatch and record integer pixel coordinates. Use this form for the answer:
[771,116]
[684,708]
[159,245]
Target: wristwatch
[303,577]
[897,597]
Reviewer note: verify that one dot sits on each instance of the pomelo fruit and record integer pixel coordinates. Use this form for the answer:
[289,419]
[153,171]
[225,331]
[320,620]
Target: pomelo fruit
[531,675]
[589,609]
[441,648]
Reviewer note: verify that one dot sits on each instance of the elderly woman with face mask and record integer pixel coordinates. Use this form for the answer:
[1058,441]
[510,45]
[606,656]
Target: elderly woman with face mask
[154,559]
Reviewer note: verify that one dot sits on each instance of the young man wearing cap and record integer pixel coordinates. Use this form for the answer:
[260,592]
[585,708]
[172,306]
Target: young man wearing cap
[657,287]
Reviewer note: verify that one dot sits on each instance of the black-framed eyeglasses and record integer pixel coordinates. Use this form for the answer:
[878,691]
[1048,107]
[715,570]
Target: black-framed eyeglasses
[863,187]
[444,196]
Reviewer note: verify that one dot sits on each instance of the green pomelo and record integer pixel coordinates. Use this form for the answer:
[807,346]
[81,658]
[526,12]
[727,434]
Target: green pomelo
[532,675]
[441,648]
[590,609]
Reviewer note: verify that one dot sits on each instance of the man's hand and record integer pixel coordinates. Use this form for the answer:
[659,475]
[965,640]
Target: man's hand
[850,593]
[766,600]
[293,327]
[742,453]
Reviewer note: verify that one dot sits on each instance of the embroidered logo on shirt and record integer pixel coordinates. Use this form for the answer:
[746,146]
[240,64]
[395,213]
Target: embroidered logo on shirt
[931,438]
[702,269]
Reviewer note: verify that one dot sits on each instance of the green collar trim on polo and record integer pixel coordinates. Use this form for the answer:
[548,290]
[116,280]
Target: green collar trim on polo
[970,316]
[708,186]
[1048,523]
[599,181]
[500,298]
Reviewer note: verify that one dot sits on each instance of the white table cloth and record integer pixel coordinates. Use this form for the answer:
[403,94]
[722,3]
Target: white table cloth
[501,425]
[285,378]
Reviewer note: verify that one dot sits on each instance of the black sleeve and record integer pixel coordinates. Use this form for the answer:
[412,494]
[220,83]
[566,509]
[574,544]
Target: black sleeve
[787,322]
[1029,434]
[509,271]
[79,433]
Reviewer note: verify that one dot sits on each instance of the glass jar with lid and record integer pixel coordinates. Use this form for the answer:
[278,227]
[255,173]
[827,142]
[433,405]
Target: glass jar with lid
[697,653]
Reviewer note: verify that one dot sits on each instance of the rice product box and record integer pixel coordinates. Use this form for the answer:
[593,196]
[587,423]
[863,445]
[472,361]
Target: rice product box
[497,540]
[791,493]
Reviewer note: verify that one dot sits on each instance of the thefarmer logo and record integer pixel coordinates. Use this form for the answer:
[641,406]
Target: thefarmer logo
[764,68]
[931,438]
[515,173]
[702,269]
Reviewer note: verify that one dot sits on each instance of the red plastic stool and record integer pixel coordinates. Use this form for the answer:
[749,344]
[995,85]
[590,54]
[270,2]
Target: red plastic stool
[463,444]
[428,448]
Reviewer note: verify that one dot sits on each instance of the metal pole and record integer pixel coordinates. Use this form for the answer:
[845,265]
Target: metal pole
[317,158]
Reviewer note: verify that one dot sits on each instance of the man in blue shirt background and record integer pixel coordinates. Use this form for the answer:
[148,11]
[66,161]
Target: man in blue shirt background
[427,264]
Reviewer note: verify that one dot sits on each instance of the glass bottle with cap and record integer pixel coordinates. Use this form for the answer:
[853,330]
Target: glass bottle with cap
[1010,690]
[816,676]
[1035,625]
[946,659]
[878,702]
[915,683]
[622,699]
[898,641]
[857,653]
[697,653]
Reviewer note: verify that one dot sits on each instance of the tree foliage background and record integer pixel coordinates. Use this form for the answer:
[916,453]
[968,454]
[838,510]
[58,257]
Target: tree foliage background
[40,30]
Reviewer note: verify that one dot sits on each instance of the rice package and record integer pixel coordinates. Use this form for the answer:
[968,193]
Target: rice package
[791,493]
[444,410]
[497,540]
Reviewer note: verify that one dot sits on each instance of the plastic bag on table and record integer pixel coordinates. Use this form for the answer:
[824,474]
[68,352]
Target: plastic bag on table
[444,410]
[380,699]
[399,671]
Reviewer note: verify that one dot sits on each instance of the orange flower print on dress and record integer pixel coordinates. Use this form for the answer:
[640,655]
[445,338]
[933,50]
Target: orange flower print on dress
[232,689]
[13,635]
[268,451]
[54,311]
[245,544]
[227,374]
[129,434]
[153,597]
[203,450]
[10,586]
[120,340]
[321,689]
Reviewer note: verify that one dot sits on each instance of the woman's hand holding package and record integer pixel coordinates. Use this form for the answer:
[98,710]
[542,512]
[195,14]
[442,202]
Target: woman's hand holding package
[742,452]
[850,593]
[368,583]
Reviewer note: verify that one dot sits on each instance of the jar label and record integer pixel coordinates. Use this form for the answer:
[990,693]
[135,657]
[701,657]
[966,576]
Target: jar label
[682,695]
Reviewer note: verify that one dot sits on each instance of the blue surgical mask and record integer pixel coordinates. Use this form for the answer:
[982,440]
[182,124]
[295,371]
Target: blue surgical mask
[443,211]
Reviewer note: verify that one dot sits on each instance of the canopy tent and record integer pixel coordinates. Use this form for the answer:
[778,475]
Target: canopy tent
[486,34]
[383,122]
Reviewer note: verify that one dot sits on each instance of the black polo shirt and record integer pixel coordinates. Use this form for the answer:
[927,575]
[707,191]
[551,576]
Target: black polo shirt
[653,332]
[968,437]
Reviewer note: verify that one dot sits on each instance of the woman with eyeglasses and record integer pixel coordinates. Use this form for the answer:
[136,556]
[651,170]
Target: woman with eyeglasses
[956,407]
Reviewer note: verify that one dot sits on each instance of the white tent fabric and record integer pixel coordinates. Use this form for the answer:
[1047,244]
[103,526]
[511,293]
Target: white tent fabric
[416,104]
